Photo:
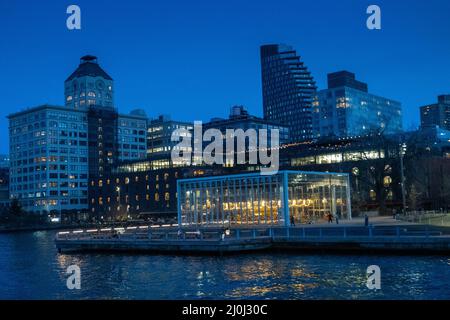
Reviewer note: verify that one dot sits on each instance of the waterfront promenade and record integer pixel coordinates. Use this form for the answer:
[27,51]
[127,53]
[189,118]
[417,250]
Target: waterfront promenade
[382,234]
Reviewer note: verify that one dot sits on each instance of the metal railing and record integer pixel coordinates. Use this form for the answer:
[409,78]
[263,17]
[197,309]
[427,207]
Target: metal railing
[435,218]
[275,233]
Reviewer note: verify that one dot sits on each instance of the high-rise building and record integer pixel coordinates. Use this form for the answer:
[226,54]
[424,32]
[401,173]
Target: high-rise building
[288,90]
[239,118]
[54,149]
[132,135]
[49,158]
[89,86]
[347,109]
[437,114]
[103,140]
[159,140]
[4,183]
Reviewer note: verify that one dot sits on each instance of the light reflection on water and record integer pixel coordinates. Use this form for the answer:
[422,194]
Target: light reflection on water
[30,268]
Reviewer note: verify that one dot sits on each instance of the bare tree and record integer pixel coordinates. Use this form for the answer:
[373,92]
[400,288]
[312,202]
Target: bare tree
[379,157]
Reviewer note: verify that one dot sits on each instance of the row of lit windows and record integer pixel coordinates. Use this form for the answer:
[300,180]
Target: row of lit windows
[136,197]
[338,157]
[62,116]
[127,180]
[53,202]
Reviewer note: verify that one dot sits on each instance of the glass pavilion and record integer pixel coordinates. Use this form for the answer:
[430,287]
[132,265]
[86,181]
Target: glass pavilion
[253,199]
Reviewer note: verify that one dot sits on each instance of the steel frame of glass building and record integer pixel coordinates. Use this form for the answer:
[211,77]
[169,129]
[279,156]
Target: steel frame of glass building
[255,199]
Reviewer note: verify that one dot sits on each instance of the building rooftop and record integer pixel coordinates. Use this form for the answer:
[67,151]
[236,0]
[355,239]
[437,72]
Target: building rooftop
[238,114]
[345,79]
[89,67]
[42,107]
[445,98]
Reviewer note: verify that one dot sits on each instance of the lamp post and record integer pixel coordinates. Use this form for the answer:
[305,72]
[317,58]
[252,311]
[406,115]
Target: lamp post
[118,196]
[402,175]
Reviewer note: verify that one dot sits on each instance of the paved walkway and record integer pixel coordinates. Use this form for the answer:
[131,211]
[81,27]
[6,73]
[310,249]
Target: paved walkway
[374,221]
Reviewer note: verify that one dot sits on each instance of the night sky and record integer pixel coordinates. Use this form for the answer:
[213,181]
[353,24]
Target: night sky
[194,59]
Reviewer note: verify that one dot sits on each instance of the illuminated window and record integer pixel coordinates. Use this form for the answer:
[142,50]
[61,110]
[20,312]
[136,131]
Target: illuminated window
[127,180]
[387,181]
[100,183]
[373,195]
[167,196]
[303,161]
[329,158]
[156,197]
[390,195]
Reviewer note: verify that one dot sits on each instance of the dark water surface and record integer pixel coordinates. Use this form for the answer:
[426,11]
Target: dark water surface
[30,268]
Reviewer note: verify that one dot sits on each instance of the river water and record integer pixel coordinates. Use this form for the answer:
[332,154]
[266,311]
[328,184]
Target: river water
[31,268]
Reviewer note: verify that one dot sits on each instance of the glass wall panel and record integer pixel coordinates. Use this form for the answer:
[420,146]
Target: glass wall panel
[253,199]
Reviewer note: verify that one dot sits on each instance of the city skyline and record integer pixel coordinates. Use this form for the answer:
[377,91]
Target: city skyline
[144,70]
[220,156]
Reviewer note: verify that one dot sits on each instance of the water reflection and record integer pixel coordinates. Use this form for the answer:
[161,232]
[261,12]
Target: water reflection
[30,268]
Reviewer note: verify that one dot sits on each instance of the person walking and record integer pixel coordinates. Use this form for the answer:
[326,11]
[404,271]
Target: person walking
[222,236]
[292,221]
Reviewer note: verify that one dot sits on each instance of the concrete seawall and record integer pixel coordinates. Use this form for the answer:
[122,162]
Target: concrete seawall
[381,244]
[398,239]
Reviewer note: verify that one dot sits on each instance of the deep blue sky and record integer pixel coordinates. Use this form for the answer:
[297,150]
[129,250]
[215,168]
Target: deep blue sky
[194,59]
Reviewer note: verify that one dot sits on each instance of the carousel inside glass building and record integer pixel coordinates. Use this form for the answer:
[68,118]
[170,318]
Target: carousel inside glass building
[285,198]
